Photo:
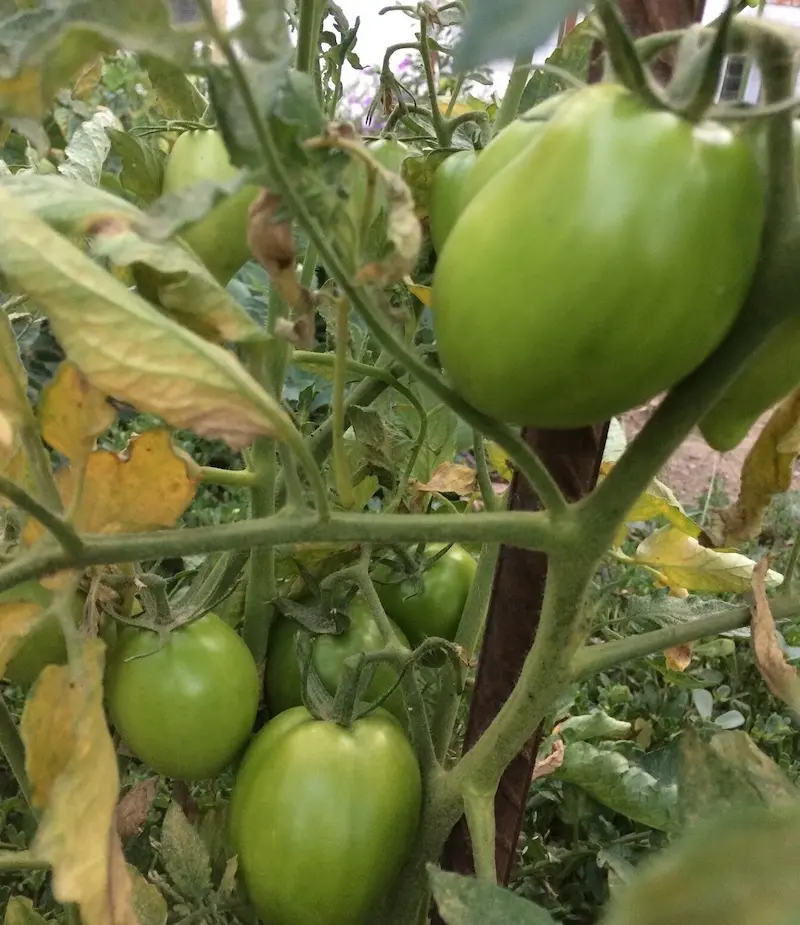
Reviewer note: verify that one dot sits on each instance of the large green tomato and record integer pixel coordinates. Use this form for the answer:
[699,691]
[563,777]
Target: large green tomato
[436,609]
[323,817]
[447,189]
[282,672]
[602,266]
[184,706]
[509,143]
[220,238]
[45,643]
[767,377]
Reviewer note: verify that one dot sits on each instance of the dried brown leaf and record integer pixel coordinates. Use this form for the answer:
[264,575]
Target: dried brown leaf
[134,806]
[780,677]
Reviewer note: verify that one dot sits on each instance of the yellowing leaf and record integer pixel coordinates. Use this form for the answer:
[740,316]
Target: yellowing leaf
[147,486]
[686,564]
[17,619]
[450,478]
[659,500]
[423,293]
[766,471]
[13,380]
[73,414]
[72,768]
[498,460]
[679,657]
[124,346]
[780,677]
[148,903]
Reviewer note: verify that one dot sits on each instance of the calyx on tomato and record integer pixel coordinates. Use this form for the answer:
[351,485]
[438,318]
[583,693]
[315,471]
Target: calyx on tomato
[601,266]
[282,676]
[323,816]
[183,702]
[430,603]
[219,238]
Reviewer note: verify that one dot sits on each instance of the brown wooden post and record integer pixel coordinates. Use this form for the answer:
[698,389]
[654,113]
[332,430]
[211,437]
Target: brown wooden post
[573,457]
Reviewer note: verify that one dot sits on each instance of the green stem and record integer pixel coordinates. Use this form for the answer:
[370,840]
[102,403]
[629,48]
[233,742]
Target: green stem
[55,525]
[590,660]
[14,751]
[526,529]
[21,860]
[479,810]
[490,500]
[341,467]
[439,124]
[513,95]
[230,478]
[516,448]
[308,28]
[468,637]
[40,465]
[791,565]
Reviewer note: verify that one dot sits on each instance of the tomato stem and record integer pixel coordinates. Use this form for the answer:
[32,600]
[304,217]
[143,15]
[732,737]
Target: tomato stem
[513,95]
[63,532]
[479,810]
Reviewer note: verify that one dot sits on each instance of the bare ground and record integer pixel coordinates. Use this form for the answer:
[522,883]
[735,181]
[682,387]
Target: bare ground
[691,471]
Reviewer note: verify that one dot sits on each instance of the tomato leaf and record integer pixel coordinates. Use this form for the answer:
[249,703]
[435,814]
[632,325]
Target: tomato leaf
[496,29]
[572,55]
[597,725]
[148,903]
[142,164]
[88,148]
[185,856]
[614,780]
[727,772]
[740,868]
[20,911]
[177,95]
[466,901]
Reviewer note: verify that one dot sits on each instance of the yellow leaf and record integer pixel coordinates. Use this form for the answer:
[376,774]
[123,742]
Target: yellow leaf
[659,500]
[124,346]
[20,911]
[73,414]
[149,904]
[423,293]
[450,478]
[72,768]
[149,485]
[22,95]
[780,677]
[679,657]
[498,460]
[766,471]
[686,564]
[17,619]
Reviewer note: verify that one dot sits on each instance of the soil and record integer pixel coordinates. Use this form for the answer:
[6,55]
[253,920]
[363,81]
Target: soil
[696,468]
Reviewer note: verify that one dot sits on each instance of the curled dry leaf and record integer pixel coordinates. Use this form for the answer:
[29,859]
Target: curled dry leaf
[684,563]
[133,808]
[72,767]
[766,471]
[127,348]
[679,657]
[450,478]
[551,763]
[780,677]
[73,414]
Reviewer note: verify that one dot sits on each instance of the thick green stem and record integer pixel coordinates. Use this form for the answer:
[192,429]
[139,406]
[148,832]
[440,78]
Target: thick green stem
[341,467]
[479,810]
[513,95]
[468,637]
[439,124]
[308,28]
[229,478]
[590,660]
[490,500]
[14,751]
[529,530]
[21,860]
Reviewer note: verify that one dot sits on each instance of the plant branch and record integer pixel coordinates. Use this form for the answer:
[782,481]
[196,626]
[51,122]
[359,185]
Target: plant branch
[55,525]
[590,660]
[479,810]
[513,95]
[21,860]
[14,751]
[229,478]
[439,125]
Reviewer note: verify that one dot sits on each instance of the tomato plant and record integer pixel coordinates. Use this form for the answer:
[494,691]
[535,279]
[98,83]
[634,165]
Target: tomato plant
[184,704]
[435,608]
[324,817]
[282,674]
[647,226]
[220,238]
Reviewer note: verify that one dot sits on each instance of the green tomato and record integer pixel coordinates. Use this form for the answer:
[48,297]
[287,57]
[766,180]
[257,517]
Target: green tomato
[186,705]
[445,202]
[436,609]
[45,643]
[282,672]
[324,816]
[767,377]
[509,143]
[220,238]
[601,267]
